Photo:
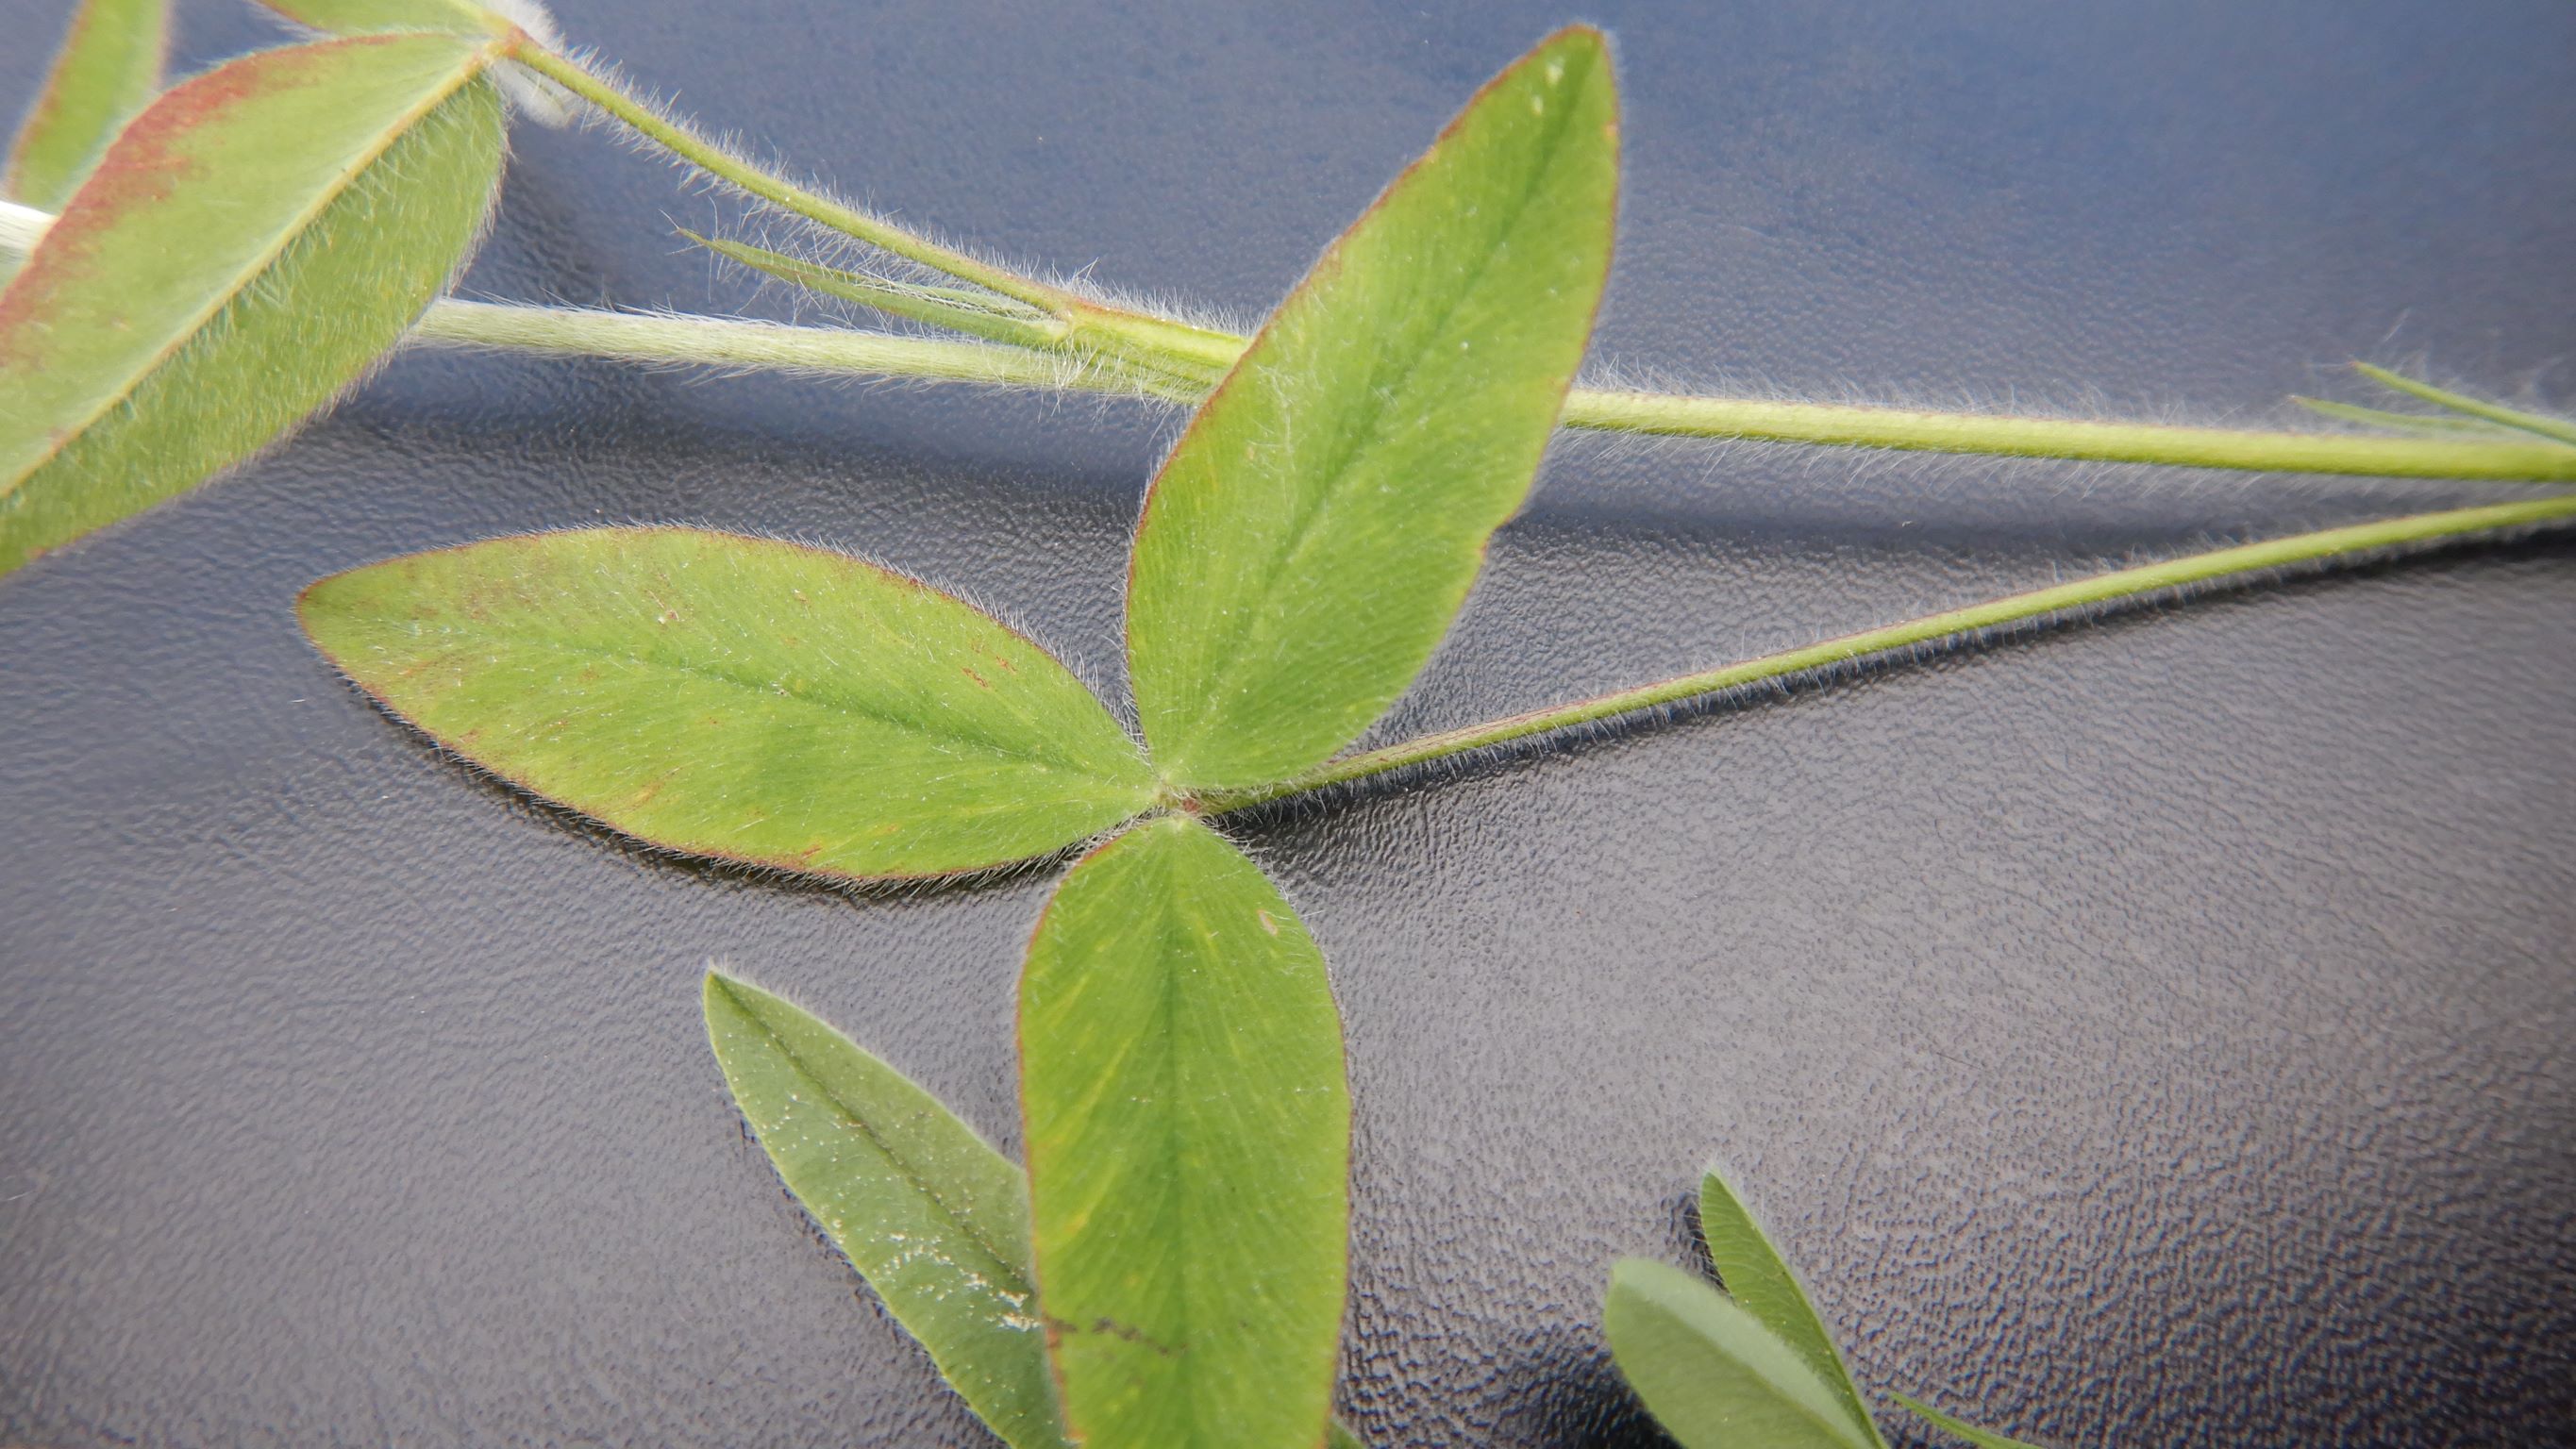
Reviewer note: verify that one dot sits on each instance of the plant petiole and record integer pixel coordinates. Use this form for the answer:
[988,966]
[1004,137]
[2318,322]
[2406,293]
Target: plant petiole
[2557,429]
[1088,327]
[1173,354]
[985,315]
[763,346]
[707,156]
[2003,435]
[2235,565]
[1128,353]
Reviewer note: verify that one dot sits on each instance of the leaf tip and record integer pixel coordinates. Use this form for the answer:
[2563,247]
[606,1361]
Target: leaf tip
[730,1008]
[316,601]
[1632,1274]
[1581,35]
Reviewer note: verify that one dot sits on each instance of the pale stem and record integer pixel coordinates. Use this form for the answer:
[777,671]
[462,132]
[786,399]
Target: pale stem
[716,342]
[847,352]
[2500,459]
[1187,350]
[2221,566]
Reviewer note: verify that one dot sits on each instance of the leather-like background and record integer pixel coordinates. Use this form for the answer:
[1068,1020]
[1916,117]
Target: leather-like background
[2155,1032]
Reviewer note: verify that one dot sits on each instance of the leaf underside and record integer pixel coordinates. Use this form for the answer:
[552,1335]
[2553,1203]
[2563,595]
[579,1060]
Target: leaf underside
[1188,1132]
[250,245]
[1710,1373]
[1761,1283]
[739,698]
[1309,540]
[108,69]
[1982,1438]
[929,1214]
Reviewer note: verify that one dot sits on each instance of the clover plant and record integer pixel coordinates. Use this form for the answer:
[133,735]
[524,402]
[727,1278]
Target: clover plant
[1169,1270]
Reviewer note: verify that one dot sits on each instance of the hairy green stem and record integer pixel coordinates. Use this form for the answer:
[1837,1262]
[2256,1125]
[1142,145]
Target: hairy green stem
[2556,429]
[713,159]
[842,350]
[1163,345]
[716,342]
[958,309]
[2024,437]
[1176,352]
[2226,565]
[1172,362]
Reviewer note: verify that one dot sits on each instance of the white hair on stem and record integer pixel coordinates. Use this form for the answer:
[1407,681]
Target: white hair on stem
[532,95]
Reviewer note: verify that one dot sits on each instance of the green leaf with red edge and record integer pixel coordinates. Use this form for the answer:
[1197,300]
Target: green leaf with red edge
[739,698]
[246,250]
[534,96]
[1309,540]
[109,68]
[1188,1130]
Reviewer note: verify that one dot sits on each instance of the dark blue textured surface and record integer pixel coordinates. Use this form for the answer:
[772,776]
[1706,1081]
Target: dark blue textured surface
[2152,1034]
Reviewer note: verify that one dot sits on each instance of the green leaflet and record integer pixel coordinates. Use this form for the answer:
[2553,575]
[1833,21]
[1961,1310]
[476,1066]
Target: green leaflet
[1760,1282]
[1982,1438]
[1711,1374]
[932,1217]
[1188,1132]
[739,698]
[108,69]
[250,244]
[1309,540]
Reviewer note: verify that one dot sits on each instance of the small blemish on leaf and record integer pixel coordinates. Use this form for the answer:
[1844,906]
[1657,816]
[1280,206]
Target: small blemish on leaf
[1269,922]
